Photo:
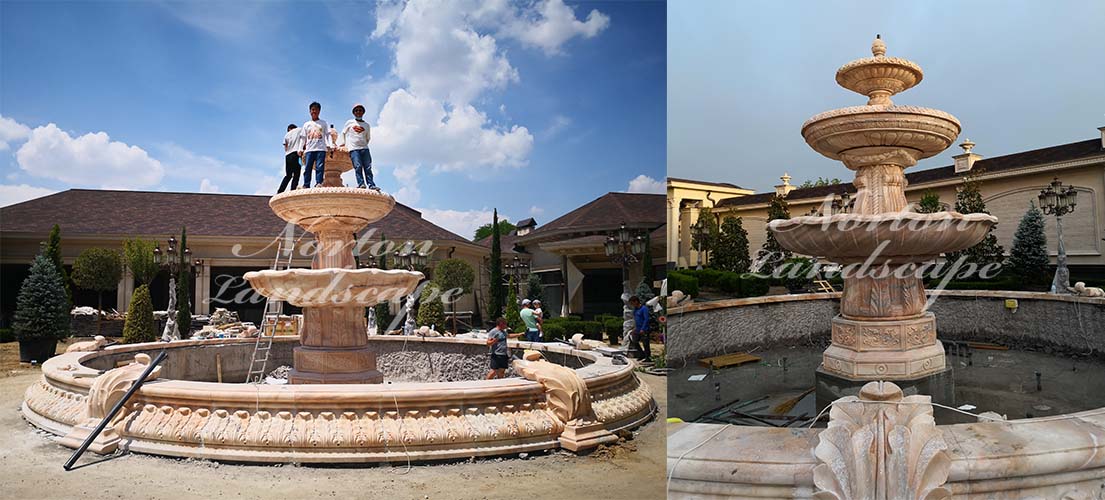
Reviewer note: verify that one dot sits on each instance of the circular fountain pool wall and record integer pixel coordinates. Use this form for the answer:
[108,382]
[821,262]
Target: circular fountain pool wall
[181,413]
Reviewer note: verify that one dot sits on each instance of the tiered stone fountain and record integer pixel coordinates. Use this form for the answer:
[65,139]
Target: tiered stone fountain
[333,293]
[883,331]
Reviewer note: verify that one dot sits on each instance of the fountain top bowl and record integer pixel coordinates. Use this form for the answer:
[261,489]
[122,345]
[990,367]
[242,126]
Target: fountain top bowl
[879,77]
[341,209]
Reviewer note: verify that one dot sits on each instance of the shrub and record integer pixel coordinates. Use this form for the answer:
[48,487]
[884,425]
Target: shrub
[42,308]
[797,275]
[513,310]
[140,325]
[6,335]
[1028,259]
[752,286]
[684,282]
[709,278]
[552,332]
[730,283]
[430,311]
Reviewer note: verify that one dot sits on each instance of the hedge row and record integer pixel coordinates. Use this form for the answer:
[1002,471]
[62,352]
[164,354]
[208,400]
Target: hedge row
[689,281]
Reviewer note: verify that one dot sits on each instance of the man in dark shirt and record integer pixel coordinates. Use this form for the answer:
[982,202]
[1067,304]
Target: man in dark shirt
[500,354]
[640,327]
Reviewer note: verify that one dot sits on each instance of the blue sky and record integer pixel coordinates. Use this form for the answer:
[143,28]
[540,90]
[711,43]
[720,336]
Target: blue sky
[743,77]
[533,107]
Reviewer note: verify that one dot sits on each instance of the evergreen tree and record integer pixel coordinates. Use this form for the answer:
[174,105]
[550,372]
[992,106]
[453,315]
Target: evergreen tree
[772,254]
[100,270]
[968,200]
[431,312]
[383,309]
[495,287]
[930,203]
[514,310]
[52,250]
[705,234]
[731,253]
[42,310]
[139,326]
[534,290]
[452,274]
[183,301]
[1028,260]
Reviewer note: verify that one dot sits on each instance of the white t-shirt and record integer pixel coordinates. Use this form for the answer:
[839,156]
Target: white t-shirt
[316,136]
[293,141]
[353,140]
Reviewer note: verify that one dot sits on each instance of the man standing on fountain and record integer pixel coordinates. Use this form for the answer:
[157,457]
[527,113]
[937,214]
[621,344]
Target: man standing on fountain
[316,143]
[355,136]
[500,354]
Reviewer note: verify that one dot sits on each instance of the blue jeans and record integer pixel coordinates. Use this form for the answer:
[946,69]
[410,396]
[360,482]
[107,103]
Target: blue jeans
[316,160]
[362,166]
[533,335]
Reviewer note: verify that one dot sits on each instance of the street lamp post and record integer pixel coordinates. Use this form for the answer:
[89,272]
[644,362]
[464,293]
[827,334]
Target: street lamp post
[519,270]
[1059,200]
[170,260]
[623,246]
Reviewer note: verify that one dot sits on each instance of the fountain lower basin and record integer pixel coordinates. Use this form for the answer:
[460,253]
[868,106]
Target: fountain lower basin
[424,414]
[333,287]
[894,237]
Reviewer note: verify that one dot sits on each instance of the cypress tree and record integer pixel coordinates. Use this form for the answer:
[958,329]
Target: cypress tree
[52,250]
[772,254]
[183,301]
[514,310]
[1028,260]
[732,247]
[495,288]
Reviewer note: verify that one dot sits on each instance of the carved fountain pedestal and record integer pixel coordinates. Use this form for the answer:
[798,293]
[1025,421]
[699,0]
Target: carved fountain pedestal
[334,345]
[883,331]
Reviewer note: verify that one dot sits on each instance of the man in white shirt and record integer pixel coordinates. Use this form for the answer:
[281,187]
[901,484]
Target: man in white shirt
[293,143]
[355,136]
[316,143]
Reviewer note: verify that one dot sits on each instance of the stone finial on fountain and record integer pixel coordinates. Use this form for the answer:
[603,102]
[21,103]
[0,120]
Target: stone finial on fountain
[878,47]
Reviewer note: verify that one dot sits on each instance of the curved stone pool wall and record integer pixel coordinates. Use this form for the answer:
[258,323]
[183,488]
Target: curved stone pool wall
[330,423]
[1041,320]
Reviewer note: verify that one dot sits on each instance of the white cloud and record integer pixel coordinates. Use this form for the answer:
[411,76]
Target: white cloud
[408,193]
[645,184]
[11,131]
[207,187]
[90,159]
[462,222]
[414,130]
[12,194]
[536,210]
[559,123]
[554,24]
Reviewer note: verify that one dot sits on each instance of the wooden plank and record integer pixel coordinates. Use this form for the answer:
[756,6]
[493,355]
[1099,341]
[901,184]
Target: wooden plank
[734,359]
[987,346]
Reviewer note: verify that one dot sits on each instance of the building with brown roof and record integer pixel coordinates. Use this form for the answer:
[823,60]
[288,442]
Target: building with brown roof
[228,235]
[568,256]
[1008,184]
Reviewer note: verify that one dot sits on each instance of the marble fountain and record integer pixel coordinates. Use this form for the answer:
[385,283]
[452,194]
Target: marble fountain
[350,398]
[885,367]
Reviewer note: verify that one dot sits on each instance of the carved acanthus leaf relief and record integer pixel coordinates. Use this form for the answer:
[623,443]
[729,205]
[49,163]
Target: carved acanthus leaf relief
[566,393]
[110,387]
[881,446]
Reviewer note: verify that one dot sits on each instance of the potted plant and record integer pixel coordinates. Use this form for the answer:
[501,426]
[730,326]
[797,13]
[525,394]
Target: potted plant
[42,312]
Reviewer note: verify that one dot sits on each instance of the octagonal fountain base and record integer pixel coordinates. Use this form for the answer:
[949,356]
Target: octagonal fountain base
[831,387]
[433,404]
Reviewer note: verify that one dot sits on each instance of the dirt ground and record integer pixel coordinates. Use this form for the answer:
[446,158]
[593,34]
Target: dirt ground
[31,467]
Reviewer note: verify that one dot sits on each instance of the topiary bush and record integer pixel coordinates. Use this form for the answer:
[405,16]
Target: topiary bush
[431,312]
[42,307]
[683,281]
[140,324]
[752,286]
[553,331]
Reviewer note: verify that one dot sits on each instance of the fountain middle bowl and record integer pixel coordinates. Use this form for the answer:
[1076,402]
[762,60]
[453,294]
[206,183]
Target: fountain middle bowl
[334,287]
[893,237]
[861,129]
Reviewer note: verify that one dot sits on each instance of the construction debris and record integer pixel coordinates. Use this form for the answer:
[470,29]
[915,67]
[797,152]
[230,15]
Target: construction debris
[735,359]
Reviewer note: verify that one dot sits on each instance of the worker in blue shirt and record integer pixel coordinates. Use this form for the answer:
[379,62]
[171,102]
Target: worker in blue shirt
[640,327]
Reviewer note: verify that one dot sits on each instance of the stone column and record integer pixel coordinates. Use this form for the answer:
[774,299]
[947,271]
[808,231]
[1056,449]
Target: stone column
[124,291]
[673,229]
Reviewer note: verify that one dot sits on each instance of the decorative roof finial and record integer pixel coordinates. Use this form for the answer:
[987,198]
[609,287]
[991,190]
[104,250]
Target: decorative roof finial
[967,145]
[878,48]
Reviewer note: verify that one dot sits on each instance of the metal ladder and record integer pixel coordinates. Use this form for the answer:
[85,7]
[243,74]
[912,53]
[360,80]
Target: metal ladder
[273,309]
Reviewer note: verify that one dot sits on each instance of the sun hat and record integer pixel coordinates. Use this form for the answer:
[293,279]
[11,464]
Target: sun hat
[358,105]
